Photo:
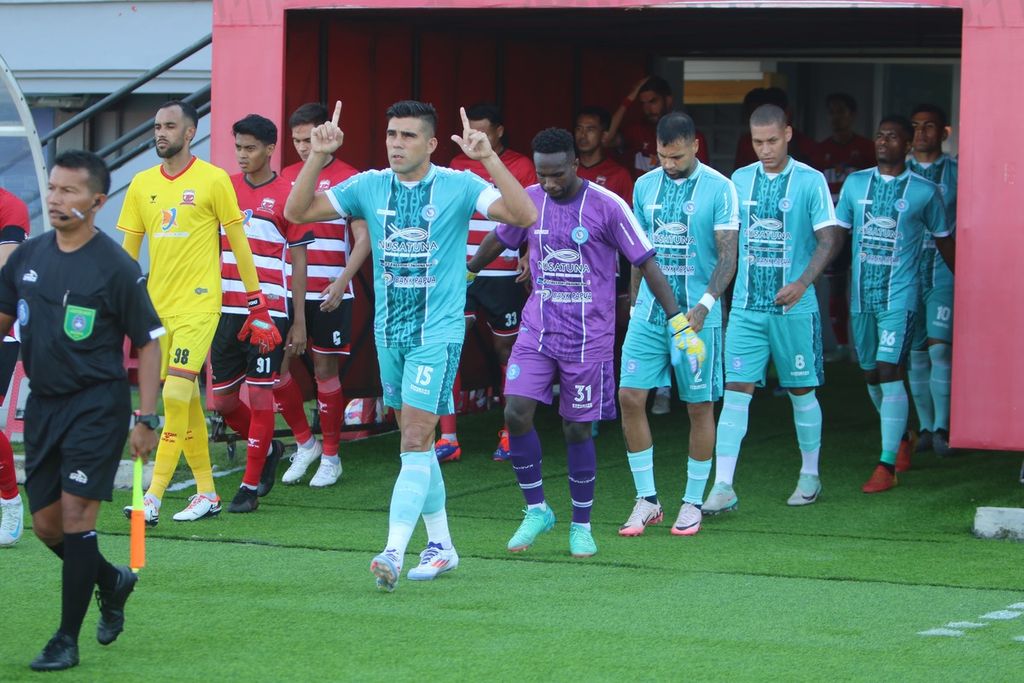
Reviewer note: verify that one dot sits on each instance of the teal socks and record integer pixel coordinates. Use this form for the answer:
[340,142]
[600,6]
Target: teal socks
[807,419]
[919,374]
[641,464]
[895,407]
[697,472]
[942,370]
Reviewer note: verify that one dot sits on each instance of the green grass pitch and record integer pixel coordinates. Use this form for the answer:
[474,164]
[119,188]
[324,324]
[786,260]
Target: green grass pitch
[839,590]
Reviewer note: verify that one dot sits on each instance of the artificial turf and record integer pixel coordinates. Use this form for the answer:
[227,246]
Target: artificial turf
[838,590]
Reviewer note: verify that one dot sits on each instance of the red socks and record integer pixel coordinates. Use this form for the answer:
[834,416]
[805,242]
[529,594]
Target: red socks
[260,433]
[8,482]
[289,399]
[329,405]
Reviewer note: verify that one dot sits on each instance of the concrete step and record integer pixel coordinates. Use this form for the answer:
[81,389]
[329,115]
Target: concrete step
[992,522]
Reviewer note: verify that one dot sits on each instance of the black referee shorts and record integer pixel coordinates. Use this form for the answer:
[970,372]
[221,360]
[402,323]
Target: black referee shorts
[8,359]
[73,443]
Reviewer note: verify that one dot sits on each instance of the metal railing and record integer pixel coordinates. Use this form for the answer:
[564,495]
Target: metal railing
[126,90]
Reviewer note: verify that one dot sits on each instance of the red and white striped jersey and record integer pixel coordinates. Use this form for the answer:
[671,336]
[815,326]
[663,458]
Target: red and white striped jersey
[522,170]
[327,256]
[269,235]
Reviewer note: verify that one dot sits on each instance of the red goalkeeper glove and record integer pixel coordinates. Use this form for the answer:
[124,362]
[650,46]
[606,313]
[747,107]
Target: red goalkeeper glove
[259,329]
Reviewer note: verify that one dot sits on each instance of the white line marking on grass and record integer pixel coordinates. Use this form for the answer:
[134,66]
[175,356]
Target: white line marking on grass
[965,624]
[189,483]
[948,632]
[1019,639]
[1002,614]
[1016,605]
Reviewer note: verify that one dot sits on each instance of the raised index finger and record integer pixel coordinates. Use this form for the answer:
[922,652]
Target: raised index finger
[465,119]
[337,112]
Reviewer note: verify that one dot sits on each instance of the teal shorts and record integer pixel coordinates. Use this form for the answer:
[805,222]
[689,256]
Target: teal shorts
[647,362]
[793,342]
[934,317]
[882,337]
[419,376]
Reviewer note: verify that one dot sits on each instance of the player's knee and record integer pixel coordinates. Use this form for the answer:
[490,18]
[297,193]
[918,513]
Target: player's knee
[700,412]
[177,390]
[517,416]
[47,530]
[225,403]
[416,437]
[576,432]
[632,400]
[325,366]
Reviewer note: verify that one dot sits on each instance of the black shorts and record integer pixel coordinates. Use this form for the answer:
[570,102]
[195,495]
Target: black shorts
[233,360]
[329,332]
[8,359]
[502,298]
[74,443]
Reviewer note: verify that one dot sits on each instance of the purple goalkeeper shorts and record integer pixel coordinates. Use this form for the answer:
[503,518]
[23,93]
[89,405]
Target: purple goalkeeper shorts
[587,390]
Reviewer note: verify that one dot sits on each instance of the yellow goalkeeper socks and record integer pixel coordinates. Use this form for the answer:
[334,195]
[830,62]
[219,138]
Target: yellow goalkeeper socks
[177,394]
[197,446]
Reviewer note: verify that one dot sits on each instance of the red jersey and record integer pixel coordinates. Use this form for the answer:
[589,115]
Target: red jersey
[269,235]
[14,228]
[522,170]
[839,160]
[327,255]
[609,174]
[641,140]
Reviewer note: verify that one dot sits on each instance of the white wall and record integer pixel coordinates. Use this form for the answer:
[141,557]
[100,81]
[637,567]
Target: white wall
[90,46]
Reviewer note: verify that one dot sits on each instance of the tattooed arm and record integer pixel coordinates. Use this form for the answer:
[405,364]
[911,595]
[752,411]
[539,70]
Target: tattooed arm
[726,242]
[830,241]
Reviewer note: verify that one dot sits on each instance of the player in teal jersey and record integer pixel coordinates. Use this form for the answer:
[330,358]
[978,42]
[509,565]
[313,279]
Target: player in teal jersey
[931,354]
[690,213]
[890,209]
[418,219]
[788,234]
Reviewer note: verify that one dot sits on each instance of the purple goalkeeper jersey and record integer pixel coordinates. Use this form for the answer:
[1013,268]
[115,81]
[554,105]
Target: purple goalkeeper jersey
[574,246]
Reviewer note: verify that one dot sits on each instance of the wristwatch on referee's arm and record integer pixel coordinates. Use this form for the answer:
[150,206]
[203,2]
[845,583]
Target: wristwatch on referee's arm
[152,421]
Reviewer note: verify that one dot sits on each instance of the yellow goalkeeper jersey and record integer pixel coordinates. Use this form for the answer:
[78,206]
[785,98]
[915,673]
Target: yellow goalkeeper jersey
[181,216]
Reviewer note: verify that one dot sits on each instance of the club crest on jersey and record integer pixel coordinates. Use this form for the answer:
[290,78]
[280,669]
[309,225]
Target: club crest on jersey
[512,372]
[79,322]
[267,204]
[737,363]
[601,180]
[387,279]
[901,205]
[690,208]
[943,190]
[631,366]
[580,235]
[23,312]
[188,198]
[429,212]
[323,185]
[785,204]
[170,217]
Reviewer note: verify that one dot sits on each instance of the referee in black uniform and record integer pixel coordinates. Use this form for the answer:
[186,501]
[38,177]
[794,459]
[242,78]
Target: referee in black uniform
[76,294]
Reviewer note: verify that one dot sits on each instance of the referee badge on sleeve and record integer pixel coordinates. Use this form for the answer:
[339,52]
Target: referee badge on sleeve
[78,322]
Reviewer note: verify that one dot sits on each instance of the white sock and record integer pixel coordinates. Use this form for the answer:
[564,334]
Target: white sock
[398,540]
[309,444]
[154,500]
[725,468]
[333,459]
[437,528]
[13,501]
[664,391]
[212,495]
[248,486]
[585,526]
[810,462]
[451,437]
[538,506]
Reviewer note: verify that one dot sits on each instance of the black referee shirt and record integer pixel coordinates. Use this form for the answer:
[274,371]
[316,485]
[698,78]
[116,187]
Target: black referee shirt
[74,310]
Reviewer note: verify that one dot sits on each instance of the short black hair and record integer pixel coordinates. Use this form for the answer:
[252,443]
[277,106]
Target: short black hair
[99,174]
[842,98]
[483,111]
[600,113]
[657,85]
[676,126]
[769,115]
[311,112]
[938,111]
[187,110]
[901,121]
[414,109]
[260,127]
[553,141]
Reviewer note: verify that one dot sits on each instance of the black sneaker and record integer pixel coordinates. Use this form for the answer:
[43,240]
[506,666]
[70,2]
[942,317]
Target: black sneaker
[60,653]
[244,501]
[111,603]
[269,473]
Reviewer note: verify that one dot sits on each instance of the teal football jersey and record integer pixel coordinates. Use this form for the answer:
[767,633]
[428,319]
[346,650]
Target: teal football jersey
[680,217]
[943,172]
[889,219]
[418,234]
[778,218]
